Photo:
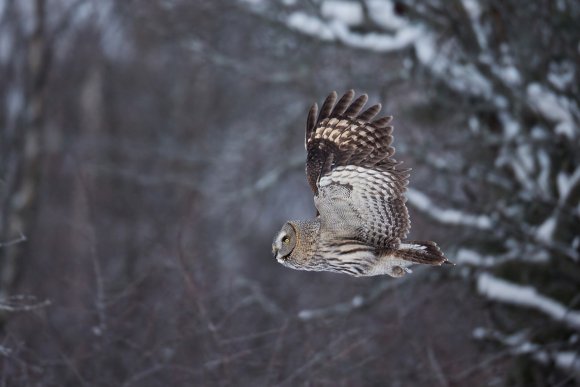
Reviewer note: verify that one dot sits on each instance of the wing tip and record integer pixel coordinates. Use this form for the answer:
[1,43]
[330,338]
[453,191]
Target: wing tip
[343,103]
[327,106]
[356,106]
[311,122]
[383,122]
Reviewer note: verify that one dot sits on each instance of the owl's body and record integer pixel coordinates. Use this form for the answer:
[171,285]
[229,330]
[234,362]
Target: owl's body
[359,195]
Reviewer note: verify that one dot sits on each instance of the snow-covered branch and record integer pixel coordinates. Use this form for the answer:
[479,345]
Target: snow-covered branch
[448,216]
[466,256]
[556,109]
[567,361]
[526,296]
[337,17]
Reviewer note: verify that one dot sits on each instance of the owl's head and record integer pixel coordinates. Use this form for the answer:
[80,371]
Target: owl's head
[294,247]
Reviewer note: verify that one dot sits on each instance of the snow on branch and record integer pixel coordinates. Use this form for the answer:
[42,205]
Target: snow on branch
[337,29]
[569,187]
[336,18]
[554,108]
[568,361]
[446,215]
[391,33]
[543,236]
[471,257]
[526,296]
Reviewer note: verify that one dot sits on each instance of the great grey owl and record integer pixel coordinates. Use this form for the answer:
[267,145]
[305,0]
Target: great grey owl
[359,194]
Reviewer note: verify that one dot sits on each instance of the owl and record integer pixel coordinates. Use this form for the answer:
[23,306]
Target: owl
[362,220]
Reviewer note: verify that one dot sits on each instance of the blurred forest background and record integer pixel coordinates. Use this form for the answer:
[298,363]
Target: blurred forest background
[149,150]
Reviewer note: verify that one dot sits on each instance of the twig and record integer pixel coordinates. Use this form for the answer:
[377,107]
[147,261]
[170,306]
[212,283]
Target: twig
[20,239]
[12,304]
[517,343]
[315,359]
[269,179]
[436,367]
[359,301]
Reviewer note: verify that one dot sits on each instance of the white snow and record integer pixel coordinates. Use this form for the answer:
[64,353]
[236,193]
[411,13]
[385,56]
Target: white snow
[511,127]
[545,231]
[500,290]
[375,41]
[425,48]
[567,182]
[473,124]
[568,360]
[447,216]
[310,25]
[545,172]
[503,67]
[526,157]
[471,257]
[555,108]
[439,59]
[382,12]
[357,301]
[347,12]
[509,74]
[500,101]
[5,351]
[337,28]
[561,75]
[474,11]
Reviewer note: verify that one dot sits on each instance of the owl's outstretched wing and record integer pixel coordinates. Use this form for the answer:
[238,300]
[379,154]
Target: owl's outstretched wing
[358,191]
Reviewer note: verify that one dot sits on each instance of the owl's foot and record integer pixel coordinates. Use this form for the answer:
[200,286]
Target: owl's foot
[399,271]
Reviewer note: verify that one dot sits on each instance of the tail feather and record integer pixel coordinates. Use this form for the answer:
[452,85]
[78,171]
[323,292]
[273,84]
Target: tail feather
[425,252]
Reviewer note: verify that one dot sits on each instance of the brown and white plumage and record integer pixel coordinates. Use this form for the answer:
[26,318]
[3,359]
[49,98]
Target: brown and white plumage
[359,194]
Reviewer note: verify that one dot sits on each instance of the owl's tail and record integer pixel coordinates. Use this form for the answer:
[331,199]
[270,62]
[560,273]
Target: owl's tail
[425,252]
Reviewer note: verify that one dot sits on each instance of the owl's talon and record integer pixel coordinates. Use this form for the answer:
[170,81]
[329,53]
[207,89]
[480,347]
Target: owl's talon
[398,271]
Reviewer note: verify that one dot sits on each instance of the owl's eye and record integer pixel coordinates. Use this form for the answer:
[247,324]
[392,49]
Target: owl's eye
[286,240]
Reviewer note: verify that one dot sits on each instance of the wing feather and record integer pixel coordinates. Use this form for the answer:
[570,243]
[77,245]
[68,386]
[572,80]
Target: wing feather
[351,170]
[370,113]
[383,122]
[311,122]
[327,106]
[356,106]
[343,103]
[364,204]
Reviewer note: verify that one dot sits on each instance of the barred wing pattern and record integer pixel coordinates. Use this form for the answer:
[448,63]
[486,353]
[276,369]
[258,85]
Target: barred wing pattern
[359,193]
